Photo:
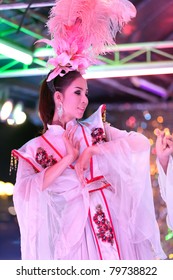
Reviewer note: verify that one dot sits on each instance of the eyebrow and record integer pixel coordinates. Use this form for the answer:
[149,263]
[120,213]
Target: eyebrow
[82,88]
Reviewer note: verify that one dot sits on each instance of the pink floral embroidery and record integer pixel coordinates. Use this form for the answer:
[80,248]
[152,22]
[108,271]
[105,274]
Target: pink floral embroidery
[98,135]
[105,231]
[43,159]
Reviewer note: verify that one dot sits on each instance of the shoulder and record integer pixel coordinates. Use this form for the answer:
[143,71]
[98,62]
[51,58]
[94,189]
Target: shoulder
[31,143]
[135,140]
[28,147]
[26,153]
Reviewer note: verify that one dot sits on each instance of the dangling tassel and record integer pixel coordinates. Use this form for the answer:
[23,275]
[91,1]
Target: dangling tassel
[104,113]
[13,163]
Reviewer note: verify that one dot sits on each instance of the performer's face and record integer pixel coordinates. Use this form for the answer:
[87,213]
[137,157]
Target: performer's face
[75,99]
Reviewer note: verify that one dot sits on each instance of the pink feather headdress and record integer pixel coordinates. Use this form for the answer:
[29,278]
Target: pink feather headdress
[81,29]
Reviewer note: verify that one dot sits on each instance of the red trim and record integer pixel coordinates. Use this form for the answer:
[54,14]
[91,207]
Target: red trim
[104,198]
[105,186]
[86,140]
[45,139]
[14,152]
[103,109]
[94,179]
[91,160]
[100,254]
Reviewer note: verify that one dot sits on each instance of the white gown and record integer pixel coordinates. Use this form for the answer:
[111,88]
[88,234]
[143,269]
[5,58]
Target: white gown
[112,217]
[166,189]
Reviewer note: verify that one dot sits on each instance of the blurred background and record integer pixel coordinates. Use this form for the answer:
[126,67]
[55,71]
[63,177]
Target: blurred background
[134,79]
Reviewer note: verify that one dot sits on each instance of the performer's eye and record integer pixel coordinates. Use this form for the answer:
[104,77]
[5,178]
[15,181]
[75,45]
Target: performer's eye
[78,92]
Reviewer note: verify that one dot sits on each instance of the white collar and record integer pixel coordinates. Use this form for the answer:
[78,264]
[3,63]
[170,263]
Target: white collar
[58,129]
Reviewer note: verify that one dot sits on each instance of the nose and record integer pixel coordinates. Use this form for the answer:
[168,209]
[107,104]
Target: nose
[84,99]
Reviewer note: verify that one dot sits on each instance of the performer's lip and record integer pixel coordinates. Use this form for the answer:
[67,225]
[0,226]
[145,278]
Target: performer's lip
[82,109]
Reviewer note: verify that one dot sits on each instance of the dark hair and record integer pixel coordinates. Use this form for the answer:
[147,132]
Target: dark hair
[46,105]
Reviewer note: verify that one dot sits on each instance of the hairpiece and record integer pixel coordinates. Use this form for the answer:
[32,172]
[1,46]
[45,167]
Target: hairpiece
[81,29]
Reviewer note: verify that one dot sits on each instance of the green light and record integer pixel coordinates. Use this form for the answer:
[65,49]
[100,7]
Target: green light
[25,72]
[43,52]
[23,29]
[15,52]
[169,235]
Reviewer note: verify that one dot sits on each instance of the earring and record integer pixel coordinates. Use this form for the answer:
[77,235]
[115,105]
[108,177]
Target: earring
[60,111]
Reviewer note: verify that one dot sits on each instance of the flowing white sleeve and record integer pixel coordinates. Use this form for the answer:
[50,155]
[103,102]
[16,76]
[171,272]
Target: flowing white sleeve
[125,163]
[51,221]
[31,208]
[166,189]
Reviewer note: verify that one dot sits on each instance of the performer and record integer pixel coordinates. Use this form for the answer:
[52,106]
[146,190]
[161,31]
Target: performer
[164,151]
[83,188]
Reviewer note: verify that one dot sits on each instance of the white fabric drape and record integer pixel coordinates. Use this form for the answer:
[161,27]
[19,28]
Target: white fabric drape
[54,223]
[166,189]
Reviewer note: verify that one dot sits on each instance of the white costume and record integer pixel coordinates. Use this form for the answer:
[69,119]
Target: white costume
[166,189]
[112,217]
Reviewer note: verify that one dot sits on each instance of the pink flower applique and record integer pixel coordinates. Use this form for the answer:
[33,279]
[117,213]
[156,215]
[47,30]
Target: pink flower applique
[98,135]
[69,56]
[105,231]
[44,159]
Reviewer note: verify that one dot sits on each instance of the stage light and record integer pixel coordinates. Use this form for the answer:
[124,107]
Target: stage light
[18,115]
[12,116]
[43,52]
[9,188]
[10,121]
[15,52]
[2,188]
[20,118]
[146,85]
[147,46]
[6,189]
[104,71]
[6,110]
[129,70]
[11,210]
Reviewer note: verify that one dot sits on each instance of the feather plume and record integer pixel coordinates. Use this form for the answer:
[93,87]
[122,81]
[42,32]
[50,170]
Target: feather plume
[90,22]
[81,29]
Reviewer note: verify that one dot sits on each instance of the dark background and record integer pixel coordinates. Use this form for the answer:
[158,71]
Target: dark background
[126,102]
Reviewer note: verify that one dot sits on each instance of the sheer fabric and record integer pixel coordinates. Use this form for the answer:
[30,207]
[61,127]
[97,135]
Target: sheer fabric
[166,189]
[112,217]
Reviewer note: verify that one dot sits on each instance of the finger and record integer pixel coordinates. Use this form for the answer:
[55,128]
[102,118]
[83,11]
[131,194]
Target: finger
[160,142]
[157,132]
[67,131]
[164,143]
[78,172]
[80,175]
[72,132]
[160,134]
[69,128]
[169,144]
[65,135]
[77,145]
[169,137]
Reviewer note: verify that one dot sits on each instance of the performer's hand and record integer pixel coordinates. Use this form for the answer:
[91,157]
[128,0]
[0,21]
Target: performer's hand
[164,147]
[83,162]
[72,145]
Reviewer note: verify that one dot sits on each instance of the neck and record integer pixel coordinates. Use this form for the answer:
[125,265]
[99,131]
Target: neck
[58,122]
[61,122]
